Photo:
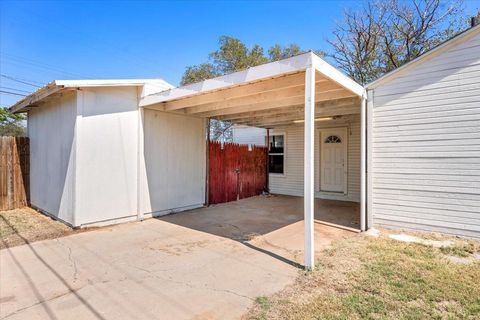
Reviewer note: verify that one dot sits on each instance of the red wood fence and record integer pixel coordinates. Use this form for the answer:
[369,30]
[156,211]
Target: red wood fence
[14,172]
[235,172]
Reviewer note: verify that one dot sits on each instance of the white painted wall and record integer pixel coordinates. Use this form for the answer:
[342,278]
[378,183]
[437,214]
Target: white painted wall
[291,183]
[172,176]
[106,183]
[426,145]
[51,129]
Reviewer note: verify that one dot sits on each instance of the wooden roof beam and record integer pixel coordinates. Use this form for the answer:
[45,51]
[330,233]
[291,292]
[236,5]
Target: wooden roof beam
[326,112]
[290,109]
[246,89]
[275,104]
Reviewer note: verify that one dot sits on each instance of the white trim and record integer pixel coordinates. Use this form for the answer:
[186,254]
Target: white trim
[363,155]
[309,171]
[345,159]
[109,83]
[460,38]
[80,101]
[369,210]
[140,157]
[332,73]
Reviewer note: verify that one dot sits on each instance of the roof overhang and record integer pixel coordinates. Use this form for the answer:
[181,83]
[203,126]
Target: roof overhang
[441,48]
[56,86]
[255,95]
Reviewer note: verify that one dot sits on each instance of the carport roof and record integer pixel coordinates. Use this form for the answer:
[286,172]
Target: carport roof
[258,93]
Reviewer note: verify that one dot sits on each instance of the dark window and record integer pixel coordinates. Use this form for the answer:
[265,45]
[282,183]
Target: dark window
[333,139]
[276,155]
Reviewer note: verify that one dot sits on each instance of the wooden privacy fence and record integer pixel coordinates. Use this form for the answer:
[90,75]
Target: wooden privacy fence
[235,171]
[14,172]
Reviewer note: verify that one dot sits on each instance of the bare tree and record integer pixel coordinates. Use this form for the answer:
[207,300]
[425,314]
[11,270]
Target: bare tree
[221,130]
[387,34]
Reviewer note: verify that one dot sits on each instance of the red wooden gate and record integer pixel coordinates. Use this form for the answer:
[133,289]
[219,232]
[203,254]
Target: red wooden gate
[235,172]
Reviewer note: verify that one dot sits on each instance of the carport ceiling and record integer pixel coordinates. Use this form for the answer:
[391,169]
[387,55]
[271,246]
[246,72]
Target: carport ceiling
[269,95]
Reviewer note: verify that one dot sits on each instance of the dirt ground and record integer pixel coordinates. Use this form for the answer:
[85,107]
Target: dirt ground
[25,225]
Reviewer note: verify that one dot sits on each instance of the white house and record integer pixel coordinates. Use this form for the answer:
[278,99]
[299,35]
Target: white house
[108,151]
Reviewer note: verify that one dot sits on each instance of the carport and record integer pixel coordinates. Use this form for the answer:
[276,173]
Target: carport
[302,89]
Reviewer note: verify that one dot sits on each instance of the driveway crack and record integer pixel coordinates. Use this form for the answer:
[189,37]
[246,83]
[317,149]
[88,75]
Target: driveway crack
[73,262]
[193,286]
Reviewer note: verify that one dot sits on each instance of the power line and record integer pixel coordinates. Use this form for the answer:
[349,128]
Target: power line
[20,81]
[37,64]
[14,89]
[29,80]
[12,93]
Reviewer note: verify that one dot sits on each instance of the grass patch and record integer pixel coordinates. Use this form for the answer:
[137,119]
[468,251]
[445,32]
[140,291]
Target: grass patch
[463,250]
[379,278]
[264,306]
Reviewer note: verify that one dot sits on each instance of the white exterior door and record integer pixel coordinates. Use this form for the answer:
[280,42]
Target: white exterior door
[333,171]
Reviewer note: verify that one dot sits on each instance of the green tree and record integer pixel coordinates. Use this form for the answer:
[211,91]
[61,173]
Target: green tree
[384,35]
[11,124]
[199,73]
[233,55]
[277,52]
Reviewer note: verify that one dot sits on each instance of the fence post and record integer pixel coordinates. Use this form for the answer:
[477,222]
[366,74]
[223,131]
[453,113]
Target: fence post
[14,172]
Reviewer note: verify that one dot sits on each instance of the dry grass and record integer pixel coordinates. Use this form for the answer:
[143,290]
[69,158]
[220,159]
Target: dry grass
[21,226]
[380,278]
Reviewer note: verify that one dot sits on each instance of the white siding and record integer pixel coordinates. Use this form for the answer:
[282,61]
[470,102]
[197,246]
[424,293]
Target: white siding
[106,185]
[173,172]
[249,135]
[51,129]
[426,145]
[291,183]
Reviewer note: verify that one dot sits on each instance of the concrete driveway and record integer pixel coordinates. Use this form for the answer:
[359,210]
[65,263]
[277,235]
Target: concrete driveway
[208,263]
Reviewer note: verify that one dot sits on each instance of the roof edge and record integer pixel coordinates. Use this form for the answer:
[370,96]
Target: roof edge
[457,39]
[57,85]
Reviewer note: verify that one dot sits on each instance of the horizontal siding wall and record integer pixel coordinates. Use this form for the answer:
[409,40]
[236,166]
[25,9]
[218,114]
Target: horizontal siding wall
[291,183]
[426,145]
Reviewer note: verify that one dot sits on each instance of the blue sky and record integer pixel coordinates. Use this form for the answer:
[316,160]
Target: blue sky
[45,40]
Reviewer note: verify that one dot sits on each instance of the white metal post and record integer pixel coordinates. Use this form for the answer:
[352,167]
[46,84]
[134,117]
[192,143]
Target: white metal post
[363,161]
[308,193]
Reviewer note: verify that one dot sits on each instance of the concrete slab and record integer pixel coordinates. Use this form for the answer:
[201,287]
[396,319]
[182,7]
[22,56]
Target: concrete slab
[203,264]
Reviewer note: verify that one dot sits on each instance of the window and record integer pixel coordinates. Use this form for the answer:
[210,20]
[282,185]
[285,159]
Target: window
[333,139]
[276,147]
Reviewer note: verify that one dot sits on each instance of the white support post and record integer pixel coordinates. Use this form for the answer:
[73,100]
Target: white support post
[363,161]
[308,193]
